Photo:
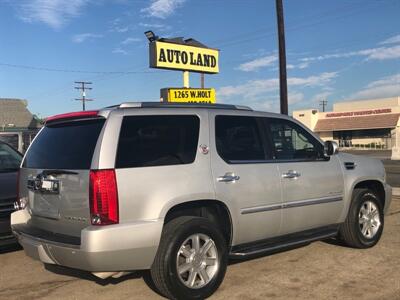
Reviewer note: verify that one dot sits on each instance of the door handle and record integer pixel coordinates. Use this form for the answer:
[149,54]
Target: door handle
[228,177]
[291,174]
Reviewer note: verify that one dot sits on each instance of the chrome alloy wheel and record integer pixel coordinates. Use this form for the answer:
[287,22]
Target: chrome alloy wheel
[197,261]
[369,219]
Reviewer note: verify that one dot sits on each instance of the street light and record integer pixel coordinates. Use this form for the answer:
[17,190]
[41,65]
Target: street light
[151,36]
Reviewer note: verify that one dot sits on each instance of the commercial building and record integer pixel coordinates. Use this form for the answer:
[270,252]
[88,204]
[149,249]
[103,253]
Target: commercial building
[367,124]
[17,125]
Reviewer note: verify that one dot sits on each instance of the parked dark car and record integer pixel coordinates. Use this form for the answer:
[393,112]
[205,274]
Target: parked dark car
[10,160]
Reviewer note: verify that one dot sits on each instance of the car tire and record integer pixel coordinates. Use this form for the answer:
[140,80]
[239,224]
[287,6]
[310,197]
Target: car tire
[364,222]
[196,248]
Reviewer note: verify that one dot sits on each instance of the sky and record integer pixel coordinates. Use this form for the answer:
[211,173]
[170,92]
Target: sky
[337,50]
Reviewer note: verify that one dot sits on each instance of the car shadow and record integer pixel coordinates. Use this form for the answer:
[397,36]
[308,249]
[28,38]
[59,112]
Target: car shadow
[85,275]
[10,248]
[335,242]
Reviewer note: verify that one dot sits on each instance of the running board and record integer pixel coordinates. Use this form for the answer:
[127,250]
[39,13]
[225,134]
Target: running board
[285,241]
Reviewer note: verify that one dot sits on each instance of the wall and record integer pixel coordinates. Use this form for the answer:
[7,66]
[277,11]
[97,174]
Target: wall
[366,104]
[308,117]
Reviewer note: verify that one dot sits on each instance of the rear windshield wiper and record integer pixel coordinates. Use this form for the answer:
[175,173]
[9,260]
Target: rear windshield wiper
[58,172]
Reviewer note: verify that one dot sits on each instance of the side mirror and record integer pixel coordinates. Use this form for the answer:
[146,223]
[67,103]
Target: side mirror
[331,148]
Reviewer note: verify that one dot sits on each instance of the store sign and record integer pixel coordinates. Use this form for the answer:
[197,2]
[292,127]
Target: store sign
[359,113]
[181,57]
[188,95]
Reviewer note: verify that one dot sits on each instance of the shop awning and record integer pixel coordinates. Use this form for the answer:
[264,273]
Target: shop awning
[357,123]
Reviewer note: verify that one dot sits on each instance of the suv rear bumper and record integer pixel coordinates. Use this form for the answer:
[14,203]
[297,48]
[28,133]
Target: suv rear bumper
[121,247]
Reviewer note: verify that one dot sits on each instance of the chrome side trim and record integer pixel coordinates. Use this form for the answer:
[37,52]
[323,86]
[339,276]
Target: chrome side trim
[256,209]
[323,200]
[312,201]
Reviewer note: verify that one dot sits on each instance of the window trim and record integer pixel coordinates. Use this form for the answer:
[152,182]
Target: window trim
[313,140]
[158,115]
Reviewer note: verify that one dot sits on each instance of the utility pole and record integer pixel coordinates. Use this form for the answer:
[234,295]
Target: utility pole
[282,58]
[323,103]
[82,87]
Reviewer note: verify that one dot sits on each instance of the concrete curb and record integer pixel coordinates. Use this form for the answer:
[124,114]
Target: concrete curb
[396,191]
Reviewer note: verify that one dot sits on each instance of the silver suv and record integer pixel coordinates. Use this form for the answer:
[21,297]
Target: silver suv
[180,188]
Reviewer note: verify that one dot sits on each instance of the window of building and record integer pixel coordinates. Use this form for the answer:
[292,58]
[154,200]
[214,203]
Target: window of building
[157,140]
[238,139]
[361,134]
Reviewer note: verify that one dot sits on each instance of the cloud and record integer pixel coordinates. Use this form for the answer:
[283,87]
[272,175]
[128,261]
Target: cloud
[121,29]
[162,8]
[321,96]
[388,86]
[152,25]
[116,26]
[380,53]
[393,40]
[296,97]
[54,13]
[156,26]
[258,63]
[80,38]
[298,66]
[120,51]
[256,87]
[130,40]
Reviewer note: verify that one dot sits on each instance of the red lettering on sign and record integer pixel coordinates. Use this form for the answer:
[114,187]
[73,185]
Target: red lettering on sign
[359,113]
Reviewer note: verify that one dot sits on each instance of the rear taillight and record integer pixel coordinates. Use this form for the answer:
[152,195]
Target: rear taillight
[103,197]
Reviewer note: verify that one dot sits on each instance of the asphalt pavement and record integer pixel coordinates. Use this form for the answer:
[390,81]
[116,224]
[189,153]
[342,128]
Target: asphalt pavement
[321,270]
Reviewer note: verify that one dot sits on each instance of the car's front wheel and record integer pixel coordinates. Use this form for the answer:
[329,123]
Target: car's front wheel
[191,260]
[364,223]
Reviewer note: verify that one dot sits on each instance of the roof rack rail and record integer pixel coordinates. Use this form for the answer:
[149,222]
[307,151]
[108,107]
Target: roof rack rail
[181,105]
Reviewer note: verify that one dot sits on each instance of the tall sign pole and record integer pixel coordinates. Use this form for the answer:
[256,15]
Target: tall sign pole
[282,58]
[186,83]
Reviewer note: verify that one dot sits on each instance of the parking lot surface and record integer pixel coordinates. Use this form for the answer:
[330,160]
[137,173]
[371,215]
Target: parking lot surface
[322,270]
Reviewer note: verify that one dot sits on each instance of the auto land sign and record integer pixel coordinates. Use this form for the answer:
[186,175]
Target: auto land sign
[165,55]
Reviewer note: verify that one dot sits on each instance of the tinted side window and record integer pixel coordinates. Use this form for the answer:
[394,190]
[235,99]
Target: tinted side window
[290,141]
[238,138]
[65,146]
[157,141]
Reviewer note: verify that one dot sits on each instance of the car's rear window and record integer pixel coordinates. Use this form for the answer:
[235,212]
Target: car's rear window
[157,140]
[64,146]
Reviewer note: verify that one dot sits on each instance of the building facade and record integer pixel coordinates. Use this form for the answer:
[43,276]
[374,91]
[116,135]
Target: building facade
[17,124]
[367,124]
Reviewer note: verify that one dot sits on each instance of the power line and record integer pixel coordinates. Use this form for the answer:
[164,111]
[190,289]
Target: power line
[83,88]
[71,71]
[293,26]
